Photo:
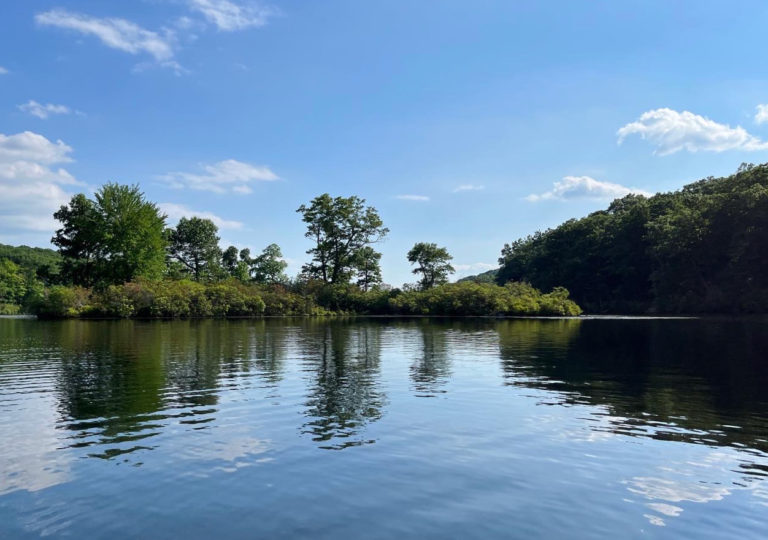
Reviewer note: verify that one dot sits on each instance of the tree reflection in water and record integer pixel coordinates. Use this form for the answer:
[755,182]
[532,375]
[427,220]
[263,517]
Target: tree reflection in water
[344,393]
[682,379]
[431,369]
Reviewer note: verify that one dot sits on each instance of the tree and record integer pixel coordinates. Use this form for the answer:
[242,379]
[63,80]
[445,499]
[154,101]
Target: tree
[114,238]
[195,244]
[368,267]
[229,260]
[269,266]
[340,227]
[78,240]
[434,265]
[13,285]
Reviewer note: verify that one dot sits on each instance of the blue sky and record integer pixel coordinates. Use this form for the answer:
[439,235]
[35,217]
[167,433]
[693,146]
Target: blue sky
[468,124]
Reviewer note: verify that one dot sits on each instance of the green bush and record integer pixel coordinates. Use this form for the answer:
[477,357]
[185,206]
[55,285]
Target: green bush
[10,309]
[469,298]
[186,299]
[61,301]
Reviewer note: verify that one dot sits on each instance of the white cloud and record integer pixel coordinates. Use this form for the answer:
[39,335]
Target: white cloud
[475,267]
[43,111]
[230,16]
[761,116]
[31,188]
[29,146]
[468,187]
[413,197]
[671,131]
[225,176]
[3,71]
[584,187]
[116,33]
[177,211]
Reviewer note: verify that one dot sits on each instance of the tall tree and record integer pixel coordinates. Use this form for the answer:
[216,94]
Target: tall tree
[195,244]
[114,238]
[79,240]
[368,267]
[269,266]
[229,260]
[340,227]
[433,264]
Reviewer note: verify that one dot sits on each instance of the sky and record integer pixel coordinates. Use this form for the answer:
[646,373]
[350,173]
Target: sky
[467,124]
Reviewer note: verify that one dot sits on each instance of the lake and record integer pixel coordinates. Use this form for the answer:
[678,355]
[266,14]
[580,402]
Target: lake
[383,428]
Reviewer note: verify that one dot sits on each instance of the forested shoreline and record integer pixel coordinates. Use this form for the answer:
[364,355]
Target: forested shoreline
[117,258]
[701,249]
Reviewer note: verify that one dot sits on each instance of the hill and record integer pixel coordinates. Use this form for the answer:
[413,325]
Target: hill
[43,262]
[485,277]
[701,249]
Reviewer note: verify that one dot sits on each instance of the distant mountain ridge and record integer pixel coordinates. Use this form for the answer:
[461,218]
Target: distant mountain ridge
[485,277]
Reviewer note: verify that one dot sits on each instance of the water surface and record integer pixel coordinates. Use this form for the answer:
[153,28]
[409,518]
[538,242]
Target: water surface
[384,428]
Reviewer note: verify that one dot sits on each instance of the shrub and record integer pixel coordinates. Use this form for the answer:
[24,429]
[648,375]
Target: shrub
[61,301]
[183,298]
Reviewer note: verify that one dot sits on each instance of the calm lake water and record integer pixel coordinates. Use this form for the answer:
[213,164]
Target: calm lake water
[384,428]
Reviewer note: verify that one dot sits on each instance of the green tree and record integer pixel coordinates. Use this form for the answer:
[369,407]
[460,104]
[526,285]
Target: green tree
[340,227]
[13,285]
[368,268]
[79,240]
[229,260]
[114,238]
[269,266]
[238,268]
[433,264]
[133,240]
[195,244]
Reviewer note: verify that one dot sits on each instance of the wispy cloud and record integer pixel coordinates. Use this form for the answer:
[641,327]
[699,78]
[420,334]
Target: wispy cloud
[584,187]
[3,71]
[413,198]
[223,177]
[468,187]
[475,267]
[43,110]
[761,114]
[32,185]
[115,33]
[177,211]
[672,131]
[229,16]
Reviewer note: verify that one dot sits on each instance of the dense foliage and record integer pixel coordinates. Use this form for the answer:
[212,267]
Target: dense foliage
[232,298]
[44,263]
[118,259]
[484,299]
[699,249]
[116,237]
[172,299]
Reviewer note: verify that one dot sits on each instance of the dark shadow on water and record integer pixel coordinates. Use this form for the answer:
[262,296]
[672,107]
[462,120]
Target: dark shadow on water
[700,381]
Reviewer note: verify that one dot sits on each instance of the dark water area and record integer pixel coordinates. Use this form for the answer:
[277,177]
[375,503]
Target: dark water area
[382,428]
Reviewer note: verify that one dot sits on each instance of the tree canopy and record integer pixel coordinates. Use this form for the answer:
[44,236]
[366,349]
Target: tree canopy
[699,249]
[115,237]
[195,244]
[433,264]
[339,227]
[268,267]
